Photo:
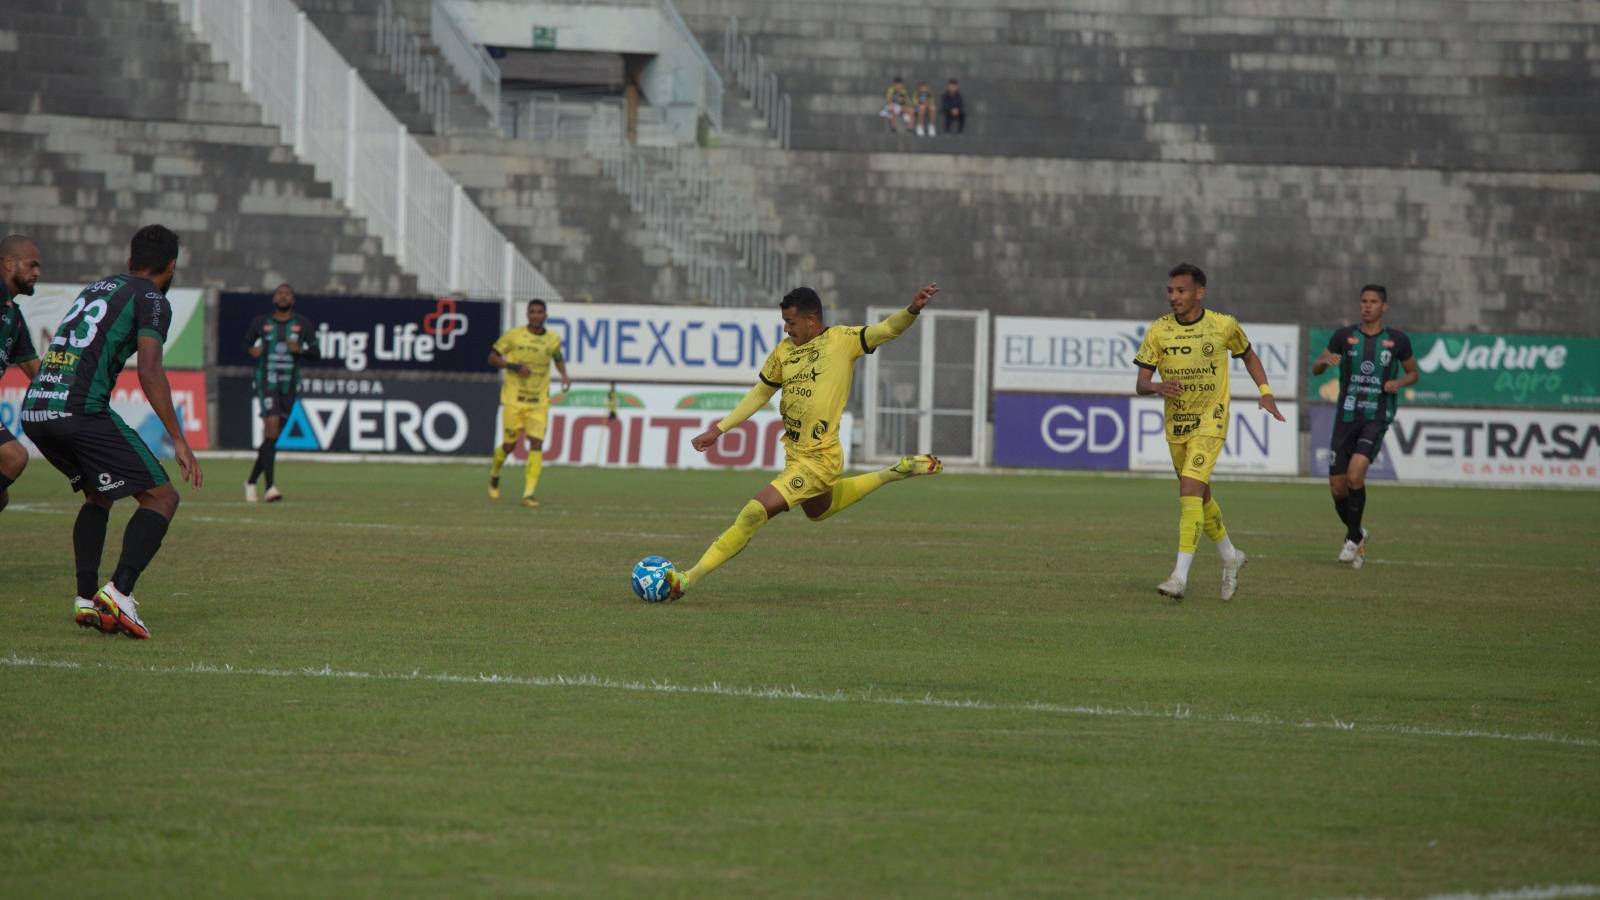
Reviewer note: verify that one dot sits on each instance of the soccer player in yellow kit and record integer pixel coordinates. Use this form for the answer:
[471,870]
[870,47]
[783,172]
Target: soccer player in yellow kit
[1190,349]
[813,367]
[525,354]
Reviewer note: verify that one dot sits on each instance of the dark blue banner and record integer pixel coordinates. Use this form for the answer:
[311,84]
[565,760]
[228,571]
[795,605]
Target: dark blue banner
[364,334]
[1063,431]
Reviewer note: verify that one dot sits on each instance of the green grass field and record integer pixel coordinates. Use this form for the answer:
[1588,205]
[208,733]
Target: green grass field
[964,686]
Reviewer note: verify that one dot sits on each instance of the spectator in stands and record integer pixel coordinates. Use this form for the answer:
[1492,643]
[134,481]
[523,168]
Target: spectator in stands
[955,114]
[922,110]
[897,104]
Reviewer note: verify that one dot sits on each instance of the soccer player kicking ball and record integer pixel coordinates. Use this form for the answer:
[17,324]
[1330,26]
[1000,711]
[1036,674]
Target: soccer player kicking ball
[1190,349]
[1369,357]
[525,354]
[813,367]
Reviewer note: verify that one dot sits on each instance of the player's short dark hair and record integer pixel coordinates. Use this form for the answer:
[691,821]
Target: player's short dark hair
[1189,269]
[1380,290]
[12,244]
[153,248]
[541,303]
[802,300]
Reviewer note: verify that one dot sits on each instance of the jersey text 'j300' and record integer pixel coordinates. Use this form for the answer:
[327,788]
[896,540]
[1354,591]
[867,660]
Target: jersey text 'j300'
[814,380]
[1196,357]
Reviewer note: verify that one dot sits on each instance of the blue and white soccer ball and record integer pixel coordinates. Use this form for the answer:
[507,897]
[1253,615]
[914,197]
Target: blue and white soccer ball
[650,578]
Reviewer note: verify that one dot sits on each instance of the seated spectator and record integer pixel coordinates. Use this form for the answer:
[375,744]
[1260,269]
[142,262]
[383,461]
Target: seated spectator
[897,105]
[922,110]
[955,115]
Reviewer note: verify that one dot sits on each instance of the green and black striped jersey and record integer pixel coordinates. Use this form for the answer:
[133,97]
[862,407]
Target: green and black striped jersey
[91,345]
[16,345]
[1366,361]
[277,369]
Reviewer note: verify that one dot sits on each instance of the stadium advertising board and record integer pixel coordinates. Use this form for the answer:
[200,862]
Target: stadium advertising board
[1095,356]
[1491,447]
[337,414]
[665,343]
[184,348]
[1493,370]
[128,401]
[654,424]
[1071,431]
[374,334]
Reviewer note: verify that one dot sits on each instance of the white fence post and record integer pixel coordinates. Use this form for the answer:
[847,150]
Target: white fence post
[244,46]
[506,275]
[299,126]
[402,144]
[453,276]
[351,132]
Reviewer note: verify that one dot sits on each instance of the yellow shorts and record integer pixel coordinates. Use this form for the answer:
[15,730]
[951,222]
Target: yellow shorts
[804,477]
[522,417]
[1196,457]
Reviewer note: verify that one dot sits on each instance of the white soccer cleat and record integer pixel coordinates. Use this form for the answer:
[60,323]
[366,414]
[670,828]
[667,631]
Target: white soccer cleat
[1361,552]
[124,609]
[1230,574]
[1348,553]
[1172,587]
[273,495]
[250,492]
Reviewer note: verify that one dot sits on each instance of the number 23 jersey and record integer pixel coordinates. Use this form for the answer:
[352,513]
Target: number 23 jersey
[1196,356]
[93,342]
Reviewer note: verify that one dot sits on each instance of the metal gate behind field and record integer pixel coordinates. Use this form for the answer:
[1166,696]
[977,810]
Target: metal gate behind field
[927,392]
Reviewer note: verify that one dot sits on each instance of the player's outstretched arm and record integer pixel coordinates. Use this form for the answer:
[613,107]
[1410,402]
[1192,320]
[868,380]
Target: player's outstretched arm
[153,379]
[900,320]
[752,402]
[1323,363]
[1258,374]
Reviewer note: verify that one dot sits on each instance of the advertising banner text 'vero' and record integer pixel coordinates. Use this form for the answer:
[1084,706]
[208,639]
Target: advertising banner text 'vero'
[1509,370]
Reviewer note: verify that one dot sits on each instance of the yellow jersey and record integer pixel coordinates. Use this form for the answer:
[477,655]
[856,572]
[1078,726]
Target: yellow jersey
[519,346]
[1196,356]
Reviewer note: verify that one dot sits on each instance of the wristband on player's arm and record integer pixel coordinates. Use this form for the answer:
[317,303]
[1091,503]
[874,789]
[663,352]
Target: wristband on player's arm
[1266,389]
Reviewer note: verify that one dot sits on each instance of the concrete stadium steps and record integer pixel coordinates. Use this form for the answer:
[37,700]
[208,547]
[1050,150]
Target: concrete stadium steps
[249,214]
[352,27]
[554,201]
[1282,243]
[1456,83]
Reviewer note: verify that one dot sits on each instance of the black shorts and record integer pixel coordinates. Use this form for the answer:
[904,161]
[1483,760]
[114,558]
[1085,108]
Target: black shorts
[6,436]
[98,453]
[274,403]
[1350,438]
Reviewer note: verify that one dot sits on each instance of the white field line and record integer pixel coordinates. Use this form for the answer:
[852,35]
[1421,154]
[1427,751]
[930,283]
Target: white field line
[1533,892]
[1179,712]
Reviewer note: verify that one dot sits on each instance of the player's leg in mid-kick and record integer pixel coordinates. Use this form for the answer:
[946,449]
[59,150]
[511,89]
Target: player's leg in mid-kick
[847,492]
[768,502]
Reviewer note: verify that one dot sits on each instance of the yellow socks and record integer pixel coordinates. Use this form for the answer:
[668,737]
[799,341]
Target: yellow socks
[1191,519]
[729,543]
[1215,531]
[500,455]
[531,478]
[847,491]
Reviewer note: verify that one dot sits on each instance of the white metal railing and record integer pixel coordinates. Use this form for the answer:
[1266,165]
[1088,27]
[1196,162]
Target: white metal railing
[550,117]
[472,63]
[760,83]
[712,82]
[404,54]
[711,227]
[333,120]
